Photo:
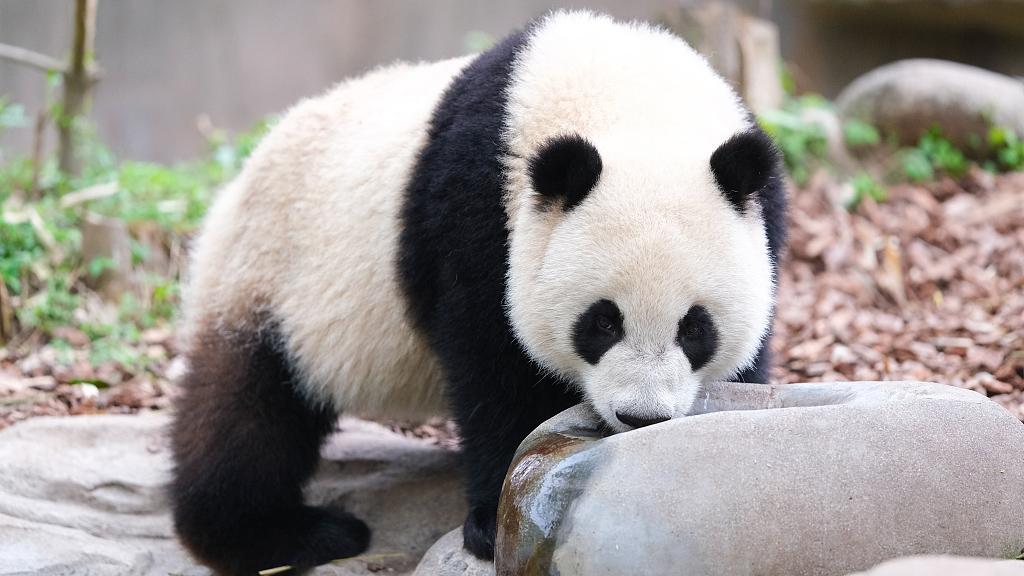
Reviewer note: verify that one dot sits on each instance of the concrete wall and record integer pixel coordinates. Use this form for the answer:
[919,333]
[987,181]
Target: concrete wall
[168,62]
[831,42]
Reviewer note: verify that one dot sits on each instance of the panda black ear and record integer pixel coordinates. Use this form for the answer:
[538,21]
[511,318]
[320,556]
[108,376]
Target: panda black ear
[566,168]
[743,165]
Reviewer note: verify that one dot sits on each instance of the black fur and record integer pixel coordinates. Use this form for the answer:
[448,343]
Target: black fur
[772,199]
[244,443]
[597,330]
[743,165]
[697,337]
[452,261]
[566,168]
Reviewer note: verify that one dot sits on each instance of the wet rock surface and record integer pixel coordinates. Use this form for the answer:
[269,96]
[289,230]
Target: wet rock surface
[84,495]
[833,479]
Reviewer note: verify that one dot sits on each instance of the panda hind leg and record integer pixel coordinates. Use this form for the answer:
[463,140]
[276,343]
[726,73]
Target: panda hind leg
[244,443]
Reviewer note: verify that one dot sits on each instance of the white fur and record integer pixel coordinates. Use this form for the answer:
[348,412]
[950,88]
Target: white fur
[656,235]
[309,232]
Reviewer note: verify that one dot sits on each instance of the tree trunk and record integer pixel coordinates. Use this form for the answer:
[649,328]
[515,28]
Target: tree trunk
[77,83]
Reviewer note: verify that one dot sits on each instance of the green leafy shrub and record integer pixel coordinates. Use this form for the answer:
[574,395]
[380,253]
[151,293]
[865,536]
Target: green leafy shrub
[942,153]
[865,186]
[802,142]
[916,165]
[40,244]
[51,307]
[860,134]
[1008,148]
[934,154]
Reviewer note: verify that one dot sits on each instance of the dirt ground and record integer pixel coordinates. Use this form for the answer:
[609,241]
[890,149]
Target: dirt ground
[928,285]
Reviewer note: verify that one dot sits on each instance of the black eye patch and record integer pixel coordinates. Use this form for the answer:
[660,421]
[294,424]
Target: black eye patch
[597,330]
[698,337]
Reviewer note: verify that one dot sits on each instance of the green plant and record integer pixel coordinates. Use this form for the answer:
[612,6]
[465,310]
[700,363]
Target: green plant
[787,80]
[19,249]
[100,265]
[865,186]
[802,141]
[916,166]
[115,342]
[1008,148]
[860,134]
[932,155]
[51,307]
[40,244]
[942,153]
[11,115]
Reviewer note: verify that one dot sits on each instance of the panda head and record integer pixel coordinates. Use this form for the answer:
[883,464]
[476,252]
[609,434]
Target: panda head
[642,276]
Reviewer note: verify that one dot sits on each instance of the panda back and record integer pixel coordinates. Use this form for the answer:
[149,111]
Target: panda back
[306,236]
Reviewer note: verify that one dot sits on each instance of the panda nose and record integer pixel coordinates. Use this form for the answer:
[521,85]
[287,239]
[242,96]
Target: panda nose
[639,421]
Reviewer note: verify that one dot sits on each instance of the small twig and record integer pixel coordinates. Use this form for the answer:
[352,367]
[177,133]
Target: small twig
[368,558]
[89,194]
[271,571]
[38,137]
[31,58]
[340,561]
[6,314]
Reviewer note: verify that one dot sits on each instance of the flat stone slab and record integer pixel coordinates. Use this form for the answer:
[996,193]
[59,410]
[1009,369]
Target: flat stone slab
[447,557]
[946,566]
[85,495]
[795,479]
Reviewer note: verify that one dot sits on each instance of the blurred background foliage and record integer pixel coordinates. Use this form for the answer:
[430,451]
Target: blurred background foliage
[99,203]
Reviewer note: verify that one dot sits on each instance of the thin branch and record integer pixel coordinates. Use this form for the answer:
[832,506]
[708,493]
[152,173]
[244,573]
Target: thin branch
[31,58]
[84,38]
[38,137]
[77,85]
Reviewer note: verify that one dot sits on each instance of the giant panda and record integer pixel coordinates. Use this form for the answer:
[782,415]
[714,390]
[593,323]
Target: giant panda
[584,212]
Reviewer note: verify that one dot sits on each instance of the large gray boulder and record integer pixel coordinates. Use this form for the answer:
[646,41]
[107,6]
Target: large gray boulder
[813,479]
[908,97]
[84,495]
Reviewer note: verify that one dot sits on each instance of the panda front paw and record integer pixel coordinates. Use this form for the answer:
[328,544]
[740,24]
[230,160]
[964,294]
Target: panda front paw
[479,531]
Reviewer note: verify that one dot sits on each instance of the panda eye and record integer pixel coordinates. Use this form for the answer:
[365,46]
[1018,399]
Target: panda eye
[597,330]
[605,324]
[692,330]
[697,336]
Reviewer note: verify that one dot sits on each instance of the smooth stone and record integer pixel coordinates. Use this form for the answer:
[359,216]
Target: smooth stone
[946,566]
[908,97]
[447,557]
[796,479]
[84,495]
